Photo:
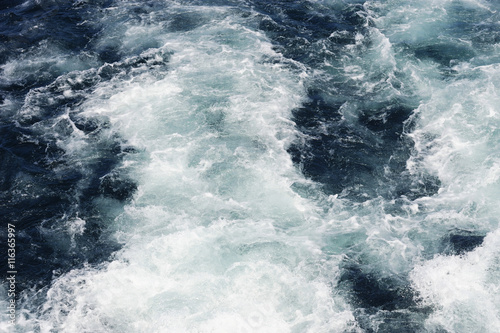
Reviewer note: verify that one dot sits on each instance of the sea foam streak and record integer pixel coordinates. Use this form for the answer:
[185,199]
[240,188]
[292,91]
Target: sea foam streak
[214,238]
[457,139]
[219,230]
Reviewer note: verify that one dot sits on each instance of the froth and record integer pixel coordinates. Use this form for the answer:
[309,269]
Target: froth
[214,238]
[463,290]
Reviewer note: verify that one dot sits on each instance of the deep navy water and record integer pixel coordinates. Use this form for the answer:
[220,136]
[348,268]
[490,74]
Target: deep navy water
[251,166]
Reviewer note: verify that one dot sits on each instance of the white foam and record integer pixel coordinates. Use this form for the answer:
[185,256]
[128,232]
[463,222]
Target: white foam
[5,324]
[214,239]
[463,290]
[44,61]
[456,139]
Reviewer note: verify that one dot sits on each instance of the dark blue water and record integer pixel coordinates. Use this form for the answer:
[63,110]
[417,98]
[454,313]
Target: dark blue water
[35,197]
[94,95]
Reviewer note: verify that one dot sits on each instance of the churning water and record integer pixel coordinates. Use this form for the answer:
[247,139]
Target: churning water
[251,166]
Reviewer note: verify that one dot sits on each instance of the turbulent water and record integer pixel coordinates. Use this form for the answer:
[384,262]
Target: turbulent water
[251,166]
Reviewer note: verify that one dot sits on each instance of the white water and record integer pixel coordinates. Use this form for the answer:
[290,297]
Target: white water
[457,139]
[463,118]
[216,240]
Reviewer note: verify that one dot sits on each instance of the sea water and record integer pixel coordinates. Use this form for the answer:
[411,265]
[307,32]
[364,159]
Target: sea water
[251,166]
